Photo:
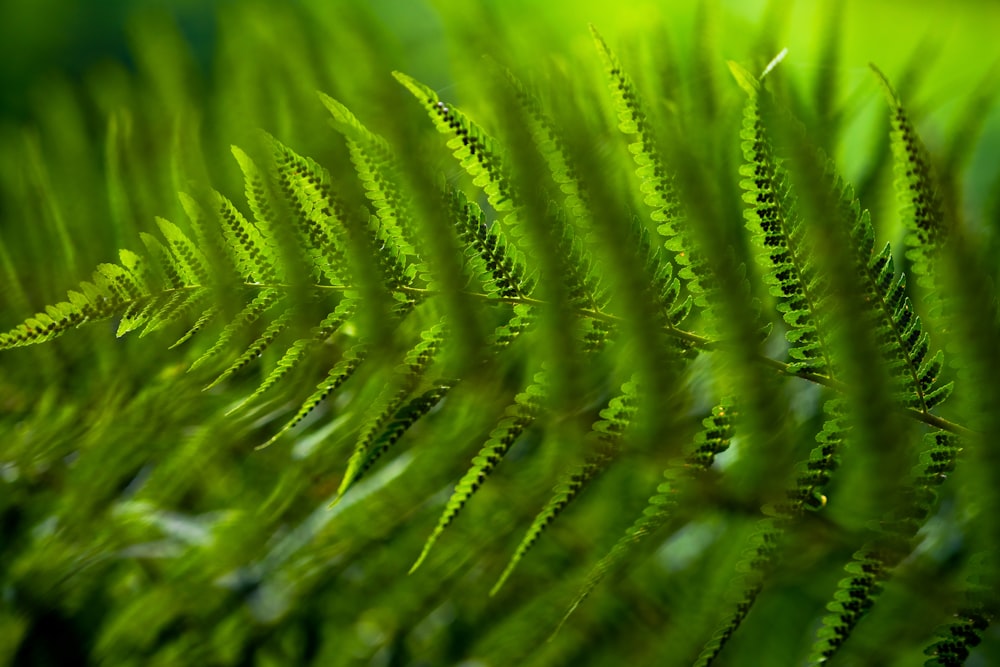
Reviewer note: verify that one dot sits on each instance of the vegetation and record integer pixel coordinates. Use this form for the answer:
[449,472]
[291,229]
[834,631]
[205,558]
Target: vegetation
[593,357]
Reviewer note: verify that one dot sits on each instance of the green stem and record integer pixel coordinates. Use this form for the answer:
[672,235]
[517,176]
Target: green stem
[698,341]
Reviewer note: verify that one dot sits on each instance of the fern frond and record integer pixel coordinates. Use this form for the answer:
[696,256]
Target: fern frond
[137,283]
[571,223]
[377,170]
[504,271]
[517,418]
[318,217]
[713,439]
[871,566]
[524,319]
[207,316]
[406,416]
[256,348]
[337,376]
[655,182]
[917,190]
[87,306]
[958,638]
[902,342]
[756,566]
[331,230]
[392,398]
[664,288]
[257,194]
[552,146]
[760,556]
[187,260]
[584,285]
[250,313]
[607,434]
[478,155]
[291,358]
[254,259]
[174,307]
[856,594]
[779,232]
[183,267]
[955,640]
[472,147]
[633,121]
[167,271]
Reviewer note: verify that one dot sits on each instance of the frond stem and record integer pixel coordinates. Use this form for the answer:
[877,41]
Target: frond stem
[698,341]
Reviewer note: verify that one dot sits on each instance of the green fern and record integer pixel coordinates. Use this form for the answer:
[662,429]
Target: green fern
[957,639]
[713,439]
[778,231]
[607,433]
[763,551]
[393,397]
[656,184]
[517,418]
[370,308]
[921,207]
[871,566]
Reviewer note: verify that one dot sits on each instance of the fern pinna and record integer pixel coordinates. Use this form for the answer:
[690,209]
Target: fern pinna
[607,342]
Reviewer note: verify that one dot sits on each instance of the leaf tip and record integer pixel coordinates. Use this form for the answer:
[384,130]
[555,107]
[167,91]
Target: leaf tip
[747,81]
[887,88]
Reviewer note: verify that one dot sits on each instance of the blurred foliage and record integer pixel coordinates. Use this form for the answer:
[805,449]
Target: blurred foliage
[138,525]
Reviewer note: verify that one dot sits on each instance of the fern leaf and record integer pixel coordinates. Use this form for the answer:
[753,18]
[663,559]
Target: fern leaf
[871,566]
[210,239]
[903,343]
[188,261]
[655,183]
[713,439]
[580,275]
[473,148]
[524,319]
[504,271]
[760,555]
[919,196]
[608,433]
[575,218]
[955,640]
[301,347]
[337,376]
[254,259]
[256,193]
[376,168]
[855,596]
[392,398]
[552,146]
[778,231]
[176,306]
[256,348]
[958,638]
[319,218]
[89,305]
[326,226]
[168,273]
[250,313]
[207,315]
[182,272]
[478,156]
[664,288]
[405,417]
[517,418]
